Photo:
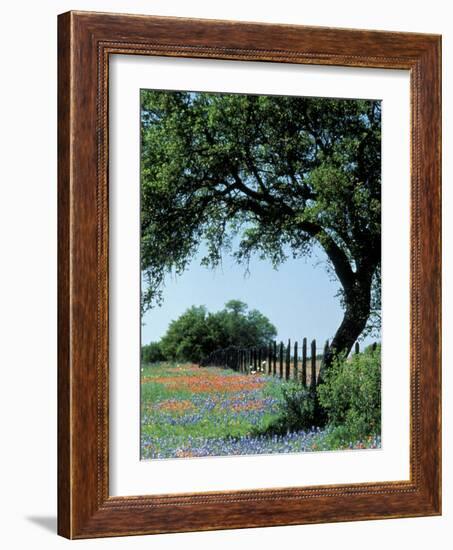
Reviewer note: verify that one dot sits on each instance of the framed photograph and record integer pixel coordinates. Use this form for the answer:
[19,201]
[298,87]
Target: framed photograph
[249,275]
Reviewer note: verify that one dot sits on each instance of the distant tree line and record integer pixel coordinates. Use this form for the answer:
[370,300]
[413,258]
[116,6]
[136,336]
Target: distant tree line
[197,333]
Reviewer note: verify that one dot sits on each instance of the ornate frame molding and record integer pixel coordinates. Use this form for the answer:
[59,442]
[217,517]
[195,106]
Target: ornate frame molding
[86,40]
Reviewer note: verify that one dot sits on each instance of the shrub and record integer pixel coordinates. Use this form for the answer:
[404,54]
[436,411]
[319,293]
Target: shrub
[351,396]
[197,333]
[152,353]
[299,410]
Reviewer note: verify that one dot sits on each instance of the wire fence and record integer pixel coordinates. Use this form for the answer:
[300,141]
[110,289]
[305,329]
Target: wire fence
[286,361]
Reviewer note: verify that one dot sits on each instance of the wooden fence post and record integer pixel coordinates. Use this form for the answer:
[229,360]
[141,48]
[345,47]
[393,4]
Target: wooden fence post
[326,351]
[357,348]
[288,360]
[281,359]
[269,358]
[313,364]
[304,362]
[296,358]
[275,359]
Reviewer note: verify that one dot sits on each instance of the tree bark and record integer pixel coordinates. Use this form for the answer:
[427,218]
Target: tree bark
[357,312]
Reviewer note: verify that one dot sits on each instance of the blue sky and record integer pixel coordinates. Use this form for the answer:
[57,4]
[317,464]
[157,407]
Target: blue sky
[298,298]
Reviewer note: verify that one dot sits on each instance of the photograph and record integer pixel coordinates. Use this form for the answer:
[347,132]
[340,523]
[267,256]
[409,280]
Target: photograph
[260,253]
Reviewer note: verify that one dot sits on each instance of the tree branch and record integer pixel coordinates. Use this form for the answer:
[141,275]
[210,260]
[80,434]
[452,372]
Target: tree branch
[335,254]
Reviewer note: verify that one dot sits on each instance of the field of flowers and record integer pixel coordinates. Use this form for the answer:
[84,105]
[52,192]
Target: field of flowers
[187,411]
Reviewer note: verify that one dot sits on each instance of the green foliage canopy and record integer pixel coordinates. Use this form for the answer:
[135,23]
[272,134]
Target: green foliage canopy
[152,353]
[196,333]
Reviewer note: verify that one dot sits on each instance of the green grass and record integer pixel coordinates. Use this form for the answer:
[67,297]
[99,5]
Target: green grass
[210,412]
[191,411]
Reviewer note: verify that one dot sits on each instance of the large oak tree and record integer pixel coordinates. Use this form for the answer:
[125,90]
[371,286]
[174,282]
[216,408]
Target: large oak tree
[264,175]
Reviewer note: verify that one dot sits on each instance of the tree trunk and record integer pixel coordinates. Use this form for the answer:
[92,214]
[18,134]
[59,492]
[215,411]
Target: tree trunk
[357,312]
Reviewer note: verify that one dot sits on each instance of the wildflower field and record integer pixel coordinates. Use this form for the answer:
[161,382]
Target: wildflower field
[188,411]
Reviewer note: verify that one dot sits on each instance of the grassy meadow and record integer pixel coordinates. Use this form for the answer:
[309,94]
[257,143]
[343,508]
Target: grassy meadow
[192,411]
[188,411]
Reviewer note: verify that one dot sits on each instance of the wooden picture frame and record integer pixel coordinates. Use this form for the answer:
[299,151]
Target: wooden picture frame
[85,41]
